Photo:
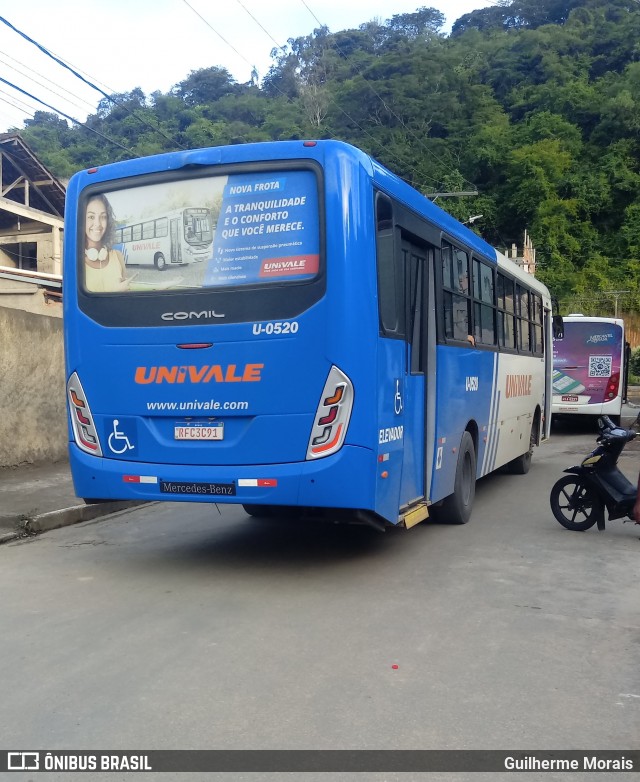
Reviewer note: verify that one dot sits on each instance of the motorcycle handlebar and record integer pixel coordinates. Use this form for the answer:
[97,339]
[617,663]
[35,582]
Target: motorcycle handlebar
[609,431]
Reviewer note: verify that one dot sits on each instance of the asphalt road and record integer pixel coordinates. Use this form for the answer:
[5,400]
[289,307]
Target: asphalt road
[176,626]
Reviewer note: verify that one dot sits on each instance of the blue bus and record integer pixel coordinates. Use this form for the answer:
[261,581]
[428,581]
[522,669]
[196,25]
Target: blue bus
[347,350]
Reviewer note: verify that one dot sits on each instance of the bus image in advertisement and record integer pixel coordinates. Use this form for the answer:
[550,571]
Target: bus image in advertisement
[590,364]
[345,350]
[179,237]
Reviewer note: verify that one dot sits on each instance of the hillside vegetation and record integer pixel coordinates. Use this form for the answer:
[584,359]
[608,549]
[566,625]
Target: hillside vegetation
[535,103]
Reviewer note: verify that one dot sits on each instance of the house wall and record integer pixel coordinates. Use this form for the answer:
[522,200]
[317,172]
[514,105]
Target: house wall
[48,260]
[33,424]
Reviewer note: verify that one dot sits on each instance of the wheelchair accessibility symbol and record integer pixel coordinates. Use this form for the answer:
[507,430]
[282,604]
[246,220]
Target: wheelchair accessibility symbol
[397,399]
[118,440]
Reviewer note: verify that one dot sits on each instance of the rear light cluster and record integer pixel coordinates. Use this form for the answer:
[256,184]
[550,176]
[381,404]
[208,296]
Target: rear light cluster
[332,416]
[612,386]
[84,430]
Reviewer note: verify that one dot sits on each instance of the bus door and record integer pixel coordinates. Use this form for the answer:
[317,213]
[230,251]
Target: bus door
[418,414]
[176,244]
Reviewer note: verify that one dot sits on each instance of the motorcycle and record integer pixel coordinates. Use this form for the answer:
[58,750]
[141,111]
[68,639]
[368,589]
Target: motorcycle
[579,500]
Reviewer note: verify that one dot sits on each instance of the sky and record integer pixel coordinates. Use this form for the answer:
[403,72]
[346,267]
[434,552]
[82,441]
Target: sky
[154,44]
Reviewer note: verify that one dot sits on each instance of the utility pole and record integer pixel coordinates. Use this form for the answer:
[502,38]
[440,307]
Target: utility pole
[615,295]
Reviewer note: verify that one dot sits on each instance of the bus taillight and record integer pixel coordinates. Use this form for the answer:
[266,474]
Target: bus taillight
[84,429]
[332,416]
[612,386]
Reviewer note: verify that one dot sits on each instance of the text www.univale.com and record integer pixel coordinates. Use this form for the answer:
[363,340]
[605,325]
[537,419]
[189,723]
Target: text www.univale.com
[195,405]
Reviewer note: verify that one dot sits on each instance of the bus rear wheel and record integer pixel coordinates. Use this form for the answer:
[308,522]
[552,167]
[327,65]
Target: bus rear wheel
[521,464]
[159,262]
[456,508]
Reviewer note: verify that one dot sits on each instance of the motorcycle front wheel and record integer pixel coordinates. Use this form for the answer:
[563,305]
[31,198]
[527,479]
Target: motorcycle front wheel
[575,504]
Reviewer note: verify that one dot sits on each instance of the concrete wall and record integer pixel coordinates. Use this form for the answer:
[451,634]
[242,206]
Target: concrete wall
[33,424]
[29,296]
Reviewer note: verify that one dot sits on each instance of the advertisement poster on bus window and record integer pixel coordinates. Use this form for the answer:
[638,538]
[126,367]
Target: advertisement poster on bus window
[267,230]
[585,359]
[209,232]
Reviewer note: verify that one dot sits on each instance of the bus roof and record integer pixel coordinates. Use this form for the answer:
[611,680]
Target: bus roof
[313,150]
[575,318]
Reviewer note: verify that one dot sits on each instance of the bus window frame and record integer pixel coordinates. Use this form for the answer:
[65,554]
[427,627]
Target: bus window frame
[417,230]
[411,226]
[272,300]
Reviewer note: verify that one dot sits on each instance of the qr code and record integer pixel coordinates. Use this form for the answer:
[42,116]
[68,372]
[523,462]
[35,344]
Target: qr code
[599,366]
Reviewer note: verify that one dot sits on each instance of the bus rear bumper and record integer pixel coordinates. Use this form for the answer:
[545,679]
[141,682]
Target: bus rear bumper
[344,480]
[559,407]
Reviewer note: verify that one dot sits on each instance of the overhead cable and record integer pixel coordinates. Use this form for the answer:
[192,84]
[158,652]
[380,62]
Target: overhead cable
[40,84]
[388,108]
[110,98]
[332,102]
[66,116]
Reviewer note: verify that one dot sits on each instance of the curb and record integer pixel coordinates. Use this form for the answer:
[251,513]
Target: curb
[64,517]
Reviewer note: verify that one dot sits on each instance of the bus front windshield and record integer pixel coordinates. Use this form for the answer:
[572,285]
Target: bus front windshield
[197,226]
[209,232]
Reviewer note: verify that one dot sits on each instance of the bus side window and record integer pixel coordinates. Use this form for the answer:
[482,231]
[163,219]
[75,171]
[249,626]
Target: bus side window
[538,320]
[456,300]
[505,313]
[390,271]
[484,305]
[524,337]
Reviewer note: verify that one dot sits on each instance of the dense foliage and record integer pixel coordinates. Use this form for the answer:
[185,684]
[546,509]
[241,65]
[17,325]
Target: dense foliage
[536,103]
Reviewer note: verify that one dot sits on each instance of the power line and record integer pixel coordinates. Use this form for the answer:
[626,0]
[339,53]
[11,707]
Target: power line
[66,116]
[258,23]
[110,98]
[333,103]
[231,46]
[21,111]
[25,106]
[389,109]
[39,83]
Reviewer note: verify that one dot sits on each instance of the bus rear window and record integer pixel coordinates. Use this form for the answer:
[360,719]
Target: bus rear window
[206,233]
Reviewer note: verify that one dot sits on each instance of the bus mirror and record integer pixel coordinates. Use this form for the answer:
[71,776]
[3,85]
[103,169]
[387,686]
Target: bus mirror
[558,327]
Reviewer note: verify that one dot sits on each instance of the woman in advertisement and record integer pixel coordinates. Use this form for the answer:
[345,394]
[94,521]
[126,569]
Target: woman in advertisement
[104,266]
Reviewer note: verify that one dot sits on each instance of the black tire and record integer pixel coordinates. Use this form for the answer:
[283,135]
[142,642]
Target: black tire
[521,464]
[159,262]
[456,508]
[575,504]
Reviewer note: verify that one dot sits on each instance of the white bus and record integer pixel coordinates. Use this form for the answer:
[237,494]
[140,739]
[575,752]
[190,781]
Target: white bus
[177,237]
[590,367]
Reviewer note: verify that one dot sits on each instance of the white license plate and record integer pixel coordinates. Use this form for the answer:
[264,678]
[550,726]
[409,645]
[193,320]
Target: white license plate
[209,432]
[569,398]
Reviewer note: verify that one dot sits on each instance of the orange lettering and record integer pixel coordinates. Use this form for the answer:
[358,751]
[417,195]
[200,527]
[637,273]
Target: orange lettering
[230,375]
[214,372]
[196,376]
[252,373]
[141,375]
[167,374]
[518,385]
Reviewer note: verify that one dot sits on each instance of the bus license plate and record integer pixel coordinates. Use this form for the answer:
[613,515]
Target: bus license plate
[570,399]
[209,432]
